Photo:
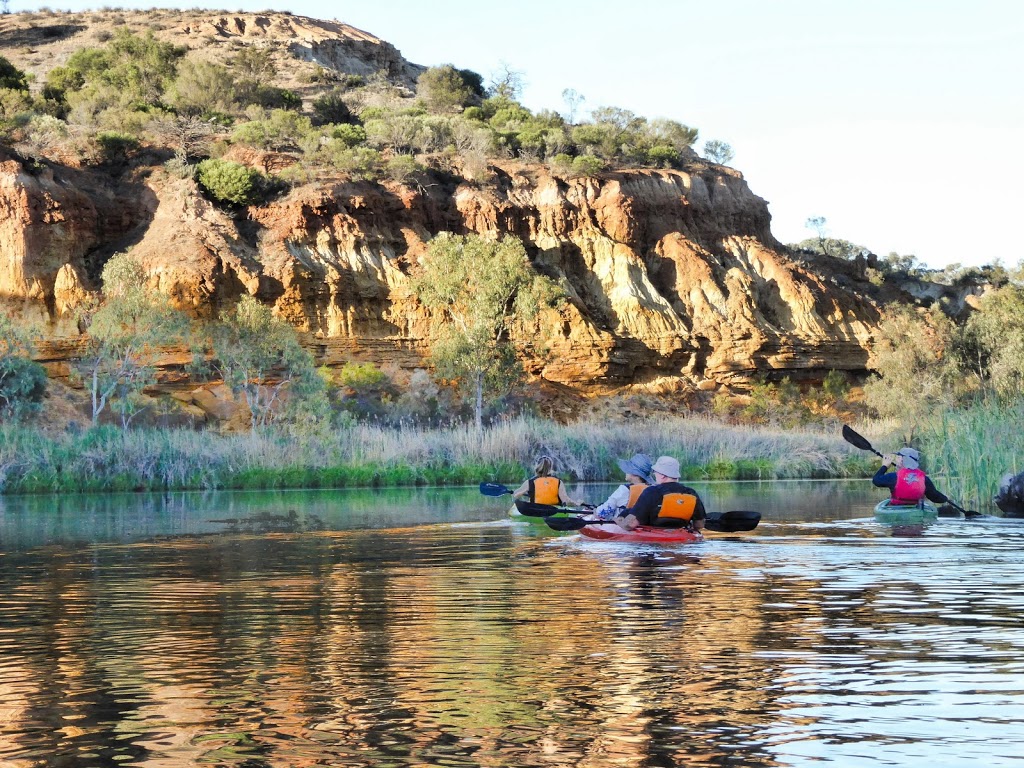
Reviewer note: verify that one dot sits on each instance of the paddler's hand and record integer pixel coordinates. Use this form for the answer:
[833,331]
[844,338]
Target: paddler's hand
[627,522]
[888,460]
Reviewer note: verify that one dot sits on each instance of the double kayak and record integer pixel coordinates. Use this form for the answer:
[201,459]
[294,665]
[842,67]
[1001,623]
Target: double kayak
[905,514]
[642,533]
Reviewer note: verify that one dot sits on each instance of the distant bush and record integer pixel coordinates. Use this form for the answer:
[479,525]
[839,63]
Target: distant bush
[359,162]
[22,387]
[11,76]
[229,182]
[331,108]
[446,89]
[115,147]
[663,157]
[347,134]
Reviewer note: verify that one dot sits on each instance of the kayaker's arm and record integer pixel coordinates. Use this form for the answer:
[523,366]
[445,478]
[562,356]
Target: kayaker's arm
[932,493]
[883,479]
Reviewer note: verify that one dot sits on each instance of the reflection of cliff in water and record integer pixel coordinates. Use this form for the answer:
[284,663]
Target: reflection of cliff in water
[32,521]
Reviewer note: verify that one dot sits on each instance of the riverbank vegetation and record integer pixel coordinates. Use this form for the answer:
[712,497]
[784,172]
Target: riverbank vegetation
[108,458]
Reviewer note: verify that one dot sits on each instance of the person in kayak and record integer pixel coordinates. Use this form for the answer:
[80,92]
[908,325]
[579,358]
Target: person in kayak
[666,504]
[908,484]
[544,487]
[638,477]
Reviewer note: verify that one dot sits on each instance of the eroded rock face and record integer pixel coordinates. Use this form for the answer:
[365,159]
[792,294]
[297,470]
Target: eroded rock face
[669,274]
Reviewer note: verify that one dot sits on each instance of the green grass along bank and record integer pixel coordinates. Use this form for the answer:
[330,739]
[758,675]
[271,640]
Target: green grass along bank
[109,459]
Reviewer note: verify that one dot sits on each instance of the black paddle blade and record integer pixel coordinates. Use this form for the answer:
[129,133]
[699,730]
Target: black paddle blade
[952,509]
[532,509]
[572,523]
[493,489]
[733,521]
[857,440]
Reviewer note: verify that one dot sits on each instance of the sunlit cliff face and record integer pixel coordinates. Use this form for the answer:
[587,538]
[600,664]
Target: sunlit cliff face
[667,274]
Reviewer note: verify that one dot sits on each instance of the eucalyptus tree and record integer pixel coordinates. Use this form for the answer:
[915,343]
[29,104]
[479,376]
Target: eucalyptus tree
[259,357]
[483,293]
[126,328]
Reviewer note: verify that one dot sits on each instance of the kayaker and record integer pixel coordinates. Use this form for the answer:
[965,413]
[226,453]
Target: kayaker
[666,504]
[638,477]
[544,487]
[908,484]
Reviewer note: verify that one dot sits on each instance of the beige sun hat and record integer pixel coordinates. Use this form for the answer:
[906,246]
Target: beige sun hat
[667,466]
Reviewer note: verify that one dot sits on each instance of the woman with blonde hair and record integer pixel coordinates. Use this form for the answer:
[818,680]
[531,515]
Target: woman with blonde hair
[544,487]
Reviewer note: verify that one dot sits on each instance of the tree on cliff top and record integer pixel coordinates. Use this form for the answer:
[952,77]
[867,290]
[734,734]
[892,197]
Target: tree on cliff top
[481,292]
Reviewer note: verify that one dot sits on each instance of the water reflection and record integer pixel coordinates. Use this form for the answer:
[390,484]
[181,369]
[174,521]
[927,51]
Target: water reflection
[818,637]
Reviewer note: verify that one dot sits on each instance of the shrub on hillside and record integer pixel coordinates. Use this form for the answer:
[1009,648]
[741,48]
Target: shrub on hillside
[229,182]
[115,147]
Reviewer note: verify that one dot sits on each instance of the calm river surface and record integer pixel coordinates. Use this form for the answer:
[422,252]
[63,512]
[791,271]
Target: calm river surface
[423,628]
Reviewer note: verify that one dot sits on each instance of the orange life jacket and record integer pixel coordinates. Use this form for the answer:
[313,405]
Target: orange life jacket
[634,493]
[678,506]
[544,490]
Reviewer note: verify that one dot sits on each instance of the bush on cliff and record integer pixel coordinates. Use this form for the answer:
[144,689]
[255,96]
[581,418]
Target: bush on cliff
[229,182]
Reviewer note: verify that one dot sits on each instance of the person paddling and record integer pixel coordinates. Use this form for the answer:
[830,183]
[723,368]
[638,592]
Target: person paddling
[666,504]
[544,487]
[638,477]
[908,484]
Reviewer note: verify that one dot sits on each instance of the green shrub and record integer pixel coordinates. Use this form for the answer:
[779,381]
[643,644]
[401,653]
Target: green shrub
[229,182]
[115,146]
[11,76]
[402,167]
[22,386]
[587,165]
[358,162]
[331,108]
[347,134]
[663,156]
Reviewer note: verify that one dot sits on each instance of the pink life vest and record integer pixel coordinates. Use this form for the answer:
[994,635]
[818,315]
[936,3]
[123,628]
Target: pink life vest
[909,486]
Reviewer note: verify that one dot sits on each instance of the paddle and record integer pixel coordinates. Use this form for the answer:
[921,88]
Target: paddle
[493,489]
[532,509]
[727,522]
[859,441]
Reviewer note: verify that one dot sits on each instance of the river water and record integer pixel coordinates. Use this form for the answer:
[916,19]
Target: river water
[423,628]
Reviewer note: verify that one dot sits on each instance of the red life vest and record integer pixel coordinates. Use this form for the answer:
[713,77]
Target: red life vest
[910,486]
[544,490]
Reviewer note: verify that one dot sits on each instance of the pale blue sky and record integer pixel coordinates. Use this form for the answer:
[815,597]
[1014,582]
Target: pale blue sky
[899,121]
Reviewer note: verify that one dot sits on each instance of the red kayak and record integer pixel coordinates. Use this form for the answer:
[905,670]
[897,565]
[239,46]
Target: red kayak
[642,533]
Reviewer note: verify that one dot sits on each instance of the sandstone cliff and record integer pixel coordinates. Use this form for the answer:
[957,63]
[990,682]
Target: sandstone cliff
[674,277]
[670,274]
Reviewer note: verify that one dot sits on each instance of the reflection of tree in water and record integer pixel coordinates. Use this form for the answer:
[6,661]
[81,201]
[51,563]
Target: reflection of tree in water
[269,522]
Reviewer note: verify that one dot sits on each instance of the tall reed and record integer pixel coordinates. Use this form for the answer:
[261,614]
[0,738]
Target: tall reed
[973,448]
[107,458]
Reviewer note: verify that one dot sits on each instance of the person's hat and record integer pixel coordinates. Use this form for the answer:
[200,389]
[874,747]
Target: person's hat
[639,465]
[911,458]
[667,466]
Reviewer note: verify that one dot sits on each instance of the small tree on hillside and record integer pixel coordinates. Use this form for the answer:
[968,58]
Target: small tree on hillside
[125,329]
[22,380]
[482,291]
[444,89]
[259,357]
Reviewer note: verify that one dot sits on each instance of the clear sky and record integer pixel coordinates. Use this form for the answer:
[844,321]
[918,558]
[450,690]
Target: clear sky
[899,121]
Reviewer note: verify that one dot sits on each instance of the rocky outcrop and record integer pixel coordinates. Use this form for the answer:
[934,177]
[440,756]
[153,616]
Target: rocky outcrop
[669,274]
[1010,497]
